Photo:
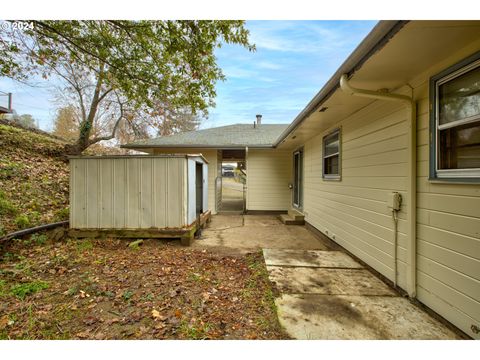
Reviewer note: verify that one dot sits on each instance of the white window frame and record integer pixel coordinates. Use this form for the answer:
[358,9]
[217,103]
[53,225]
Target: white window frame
[338,176]
[473,173]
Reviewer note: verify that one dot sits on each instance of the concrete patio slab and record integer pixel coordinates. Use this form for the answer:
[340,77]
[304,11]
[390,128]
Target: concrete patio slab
[244,233]
[302,280]
[357,317]
[309,258]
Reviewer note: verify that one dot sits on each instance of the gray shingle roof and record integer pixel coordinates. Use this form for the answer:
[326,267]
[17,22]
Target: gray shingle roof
[238,135]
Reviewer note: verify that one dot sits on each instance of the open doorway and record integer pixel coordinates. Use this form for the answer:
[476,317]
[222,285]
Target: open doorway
[233,175]
[199,188]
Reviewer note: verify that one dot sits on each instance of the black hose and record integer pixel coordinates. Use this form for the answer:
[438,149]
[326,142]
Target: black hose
[33,230]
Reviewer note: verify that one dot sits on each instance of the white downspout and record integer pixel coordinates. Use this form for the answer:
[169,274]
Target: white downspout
[245,187]
[412,172]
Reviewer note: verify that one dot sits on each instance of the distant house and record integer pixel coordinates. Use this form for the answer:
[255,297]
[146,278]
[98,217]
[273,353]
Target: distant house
[384,160]
[5,106]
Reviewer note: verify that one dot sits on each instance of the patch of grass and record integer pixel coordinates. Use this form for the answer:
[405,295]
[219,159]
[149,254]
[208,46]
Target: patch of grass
[258,288]
[195,277]
[10,169]
[6,207]
[84,245]
[194,332]
[24,266]
[22,221]
[39,239]
[73,290]
[62,214]
[26,289]
[3,288]
[127,295]
[147,297]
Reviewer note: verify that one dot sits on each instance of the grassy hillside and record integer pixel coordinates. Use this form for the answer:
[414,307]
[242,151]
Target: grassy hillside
[33,179]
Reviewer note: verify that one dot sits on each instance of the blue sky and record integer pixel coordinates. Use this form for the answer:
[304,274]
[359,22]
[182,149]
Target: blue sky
[293,61]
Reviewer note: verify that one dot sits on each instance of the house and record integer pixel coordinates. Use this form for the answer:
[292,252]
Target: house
[6,109]
[269,168]
[384,160]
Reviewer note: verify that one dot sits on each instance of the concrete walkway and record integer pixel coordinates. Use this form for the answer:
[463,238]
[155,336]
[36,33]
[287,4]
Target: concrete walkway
[324,292]
[232,196]
[328,295]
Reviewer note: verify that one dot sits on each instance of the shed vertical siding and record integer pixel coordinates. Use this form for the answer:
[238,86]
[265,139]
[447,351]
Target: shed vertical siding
[160,177]
[133,193]
[353,211]
[448,226]
[268,174]
[128,193]
[119,195]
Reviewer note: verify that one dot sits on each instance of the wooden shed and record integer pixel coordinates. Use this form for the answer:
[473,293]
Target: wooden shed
[138,196]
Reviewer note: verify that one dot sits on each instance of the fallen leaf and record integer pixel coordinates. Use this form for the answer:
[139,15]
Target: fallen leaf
[83,334]
[3,322]
[155,314]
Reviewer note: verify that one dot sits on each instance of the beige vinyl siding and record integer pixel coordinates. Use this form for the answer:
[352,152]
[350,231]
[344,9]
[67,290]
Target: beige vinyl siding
[211,156]
[353,211]
[448,227]
[268,175]
[127,193]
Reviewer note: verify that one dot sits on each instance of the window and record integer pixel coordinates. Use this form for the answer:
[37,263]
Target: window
[331,155]
[455,123]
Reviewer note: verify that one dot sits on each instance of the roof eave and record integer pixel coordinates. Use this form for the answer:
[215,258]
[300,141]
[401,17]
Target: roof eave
[169,146]
[374,41]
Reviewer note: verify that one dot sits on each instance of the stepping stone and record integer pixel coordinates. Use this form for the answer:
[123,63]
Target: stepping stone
[304,280]
[357,317]
[309,258]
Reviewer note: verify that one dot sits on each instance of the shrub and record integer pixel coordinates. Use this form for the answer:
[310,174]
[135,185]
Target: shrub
[22,221]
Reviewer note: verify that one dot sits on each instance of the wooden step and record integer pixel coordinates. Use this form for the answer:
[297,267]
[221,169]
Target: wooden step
[290,220]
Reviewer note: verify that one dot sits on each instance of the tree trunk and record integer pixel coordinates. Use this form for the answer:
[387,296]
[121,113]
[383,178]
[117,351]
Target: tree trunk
[83,141]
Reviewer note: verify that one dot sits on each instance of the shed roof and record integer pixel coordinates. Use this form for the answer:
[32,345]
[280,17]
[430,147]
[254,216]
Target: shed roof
[103,157]
[230,136]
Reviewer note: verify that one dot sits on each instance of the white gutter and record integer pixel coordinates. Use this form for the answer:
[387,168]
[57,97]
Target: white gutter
[412,172]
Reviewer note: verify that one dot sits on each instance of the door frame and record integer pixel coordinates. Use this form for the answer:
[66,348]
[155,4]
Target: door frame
[297,178]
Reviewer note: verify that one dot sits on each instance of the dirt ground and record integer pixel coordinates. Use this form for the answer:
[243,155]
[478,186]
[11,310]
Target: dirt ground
[103,289]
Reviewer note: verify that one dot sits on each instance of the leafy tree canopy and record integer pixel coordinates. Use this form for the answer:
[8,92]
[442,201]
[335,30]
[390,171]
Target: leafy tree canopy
[148,61]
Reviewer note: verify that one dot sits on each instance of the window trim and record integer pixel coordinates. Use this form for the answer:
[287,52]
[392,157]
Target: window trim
[332,177]
[450,73]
